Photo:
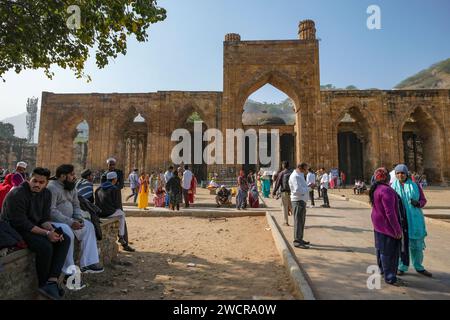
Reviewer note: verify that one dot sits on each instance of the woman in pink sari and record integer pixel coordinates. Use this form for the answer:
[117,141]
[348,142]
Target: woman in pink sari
[192,190]
[159,197]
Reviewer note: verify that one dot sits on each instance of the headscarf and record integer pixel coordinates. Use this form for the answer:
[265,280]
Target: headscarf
[5,187]
[381,175]
[402,168]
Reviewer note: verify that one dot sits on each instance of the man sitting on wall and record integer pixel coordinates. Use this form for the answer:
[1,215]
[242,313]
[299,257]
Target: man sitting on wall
[67,214]
[108,199]
[27,209]
[85,186]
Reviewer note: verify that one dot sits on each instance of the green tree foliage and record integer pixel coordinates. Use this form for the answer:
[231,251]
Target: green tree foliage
[6,130]
[39,33]
[194,117]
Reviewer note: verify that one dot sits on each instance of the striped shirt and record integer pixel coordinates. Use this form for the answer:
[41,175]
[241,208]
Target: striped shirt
[85,188]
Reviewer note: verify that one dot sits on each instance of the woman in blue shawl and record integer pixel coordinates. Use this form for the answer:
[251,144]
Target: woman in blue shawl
[413,201]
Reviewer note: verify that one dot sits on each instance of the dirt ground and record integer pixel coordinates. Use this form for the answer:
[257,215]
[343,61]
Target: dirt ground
[194,258]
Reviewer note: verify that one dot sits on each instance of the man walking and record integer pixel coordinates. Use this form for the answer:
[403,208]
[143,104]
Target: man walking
[324,185]
[186,184]
[282,183]
[311,182]
[133,178]
[299,196]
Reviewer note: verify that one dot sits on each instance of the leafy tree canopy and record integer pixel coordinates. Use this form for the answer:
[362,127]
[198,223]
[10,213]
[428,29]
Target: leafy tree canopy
[6,130]
[39,33]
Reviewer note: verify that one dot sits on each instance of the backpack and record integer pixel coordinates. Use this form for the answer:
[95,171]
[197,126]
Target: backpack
[285,182]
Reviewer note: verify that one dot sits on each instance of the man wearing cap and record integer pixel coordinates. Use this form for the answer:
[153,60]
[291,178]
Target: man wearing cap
[111,162]
[20,175]
[413,201]
[223,196]
[85,186]
[109,199]
[65,211]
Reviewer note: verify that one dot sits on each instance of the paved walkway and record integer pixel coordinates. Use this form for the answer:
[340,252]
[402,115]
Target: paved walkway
[342,248]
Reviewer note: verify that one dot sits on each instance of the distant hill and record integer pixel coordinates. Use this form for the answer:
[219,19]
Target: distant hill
[263,113]
[435,77]
[20,125]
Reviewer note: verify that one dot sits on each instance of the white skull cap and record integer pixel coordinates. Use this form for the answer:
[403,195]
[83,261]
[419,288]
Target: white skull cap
[21,164]
[111,160]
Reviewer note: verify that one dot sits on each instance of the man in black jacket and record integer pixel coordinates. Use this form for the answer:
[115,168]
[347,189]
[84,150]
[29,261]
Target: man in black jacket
[27,209]
[282,183]
[111,162]
[109,200]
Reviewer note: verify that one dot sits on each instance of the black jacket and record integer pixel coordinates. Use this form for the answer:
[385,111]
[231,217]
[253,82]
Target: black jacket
[24,209]
[108,199]
[173,186]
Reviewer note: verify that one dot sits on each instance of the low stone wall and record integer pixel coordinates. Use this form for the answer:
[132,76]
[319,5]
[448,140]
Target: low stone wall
[18,279]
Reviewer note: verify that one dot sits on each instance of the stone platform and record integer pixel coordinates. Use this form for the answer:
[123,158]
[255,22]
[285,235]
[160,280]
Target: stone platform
[18,279]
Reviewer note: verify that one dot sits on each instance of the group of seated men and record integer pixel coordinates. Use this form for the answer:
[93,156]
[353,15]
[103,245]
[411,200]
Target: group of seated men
[46,213]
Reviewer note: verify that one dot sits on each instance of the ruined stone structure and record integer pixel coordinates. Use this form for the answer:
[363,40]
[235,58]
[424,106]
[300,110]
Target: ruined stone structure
[15,150]
[355,130]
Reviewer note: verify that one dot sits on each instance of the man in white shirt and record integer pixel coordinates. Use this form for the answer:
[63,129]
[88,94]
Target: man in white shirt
[133,178]
[186,184]
[311,182]
[324,185]
[299,196]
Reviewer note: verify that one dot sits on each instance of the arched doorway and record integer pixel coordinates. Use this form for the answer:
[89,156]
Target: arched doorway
[353,137]
[270,108]
[199,168]
[80,146]
[135,136]
[421,145]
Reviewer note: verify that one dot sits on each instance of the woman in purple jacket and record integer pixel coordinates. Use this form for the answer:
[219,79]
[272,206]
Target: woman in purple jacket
[387,228]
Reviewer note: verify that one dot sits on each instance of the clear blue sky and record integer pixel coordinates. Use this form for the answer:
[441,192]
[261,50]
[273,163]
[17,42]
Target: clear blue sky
[185,51]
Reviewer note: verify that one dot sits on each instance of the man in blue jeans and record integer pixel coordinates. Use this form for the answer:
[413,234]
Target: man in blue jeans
[299,197]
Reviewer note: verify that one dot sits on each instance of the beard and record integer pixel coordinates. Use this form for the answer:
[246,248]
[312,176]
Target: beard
[69,186]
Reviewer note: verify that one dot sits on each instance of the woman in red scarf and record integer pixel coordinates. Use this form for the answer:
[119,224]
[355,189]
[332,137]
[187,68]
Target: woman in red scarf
[5,187]
[192,189]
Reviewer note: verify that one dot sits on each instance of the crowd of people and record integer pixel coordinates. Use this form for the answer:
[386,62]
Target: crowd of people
[47,213]
[169,189]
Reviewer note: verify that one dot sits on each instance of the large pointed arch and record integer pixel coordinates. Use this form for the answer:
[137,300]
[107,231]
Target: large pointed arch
[356,134]
[423,143]
[275,78]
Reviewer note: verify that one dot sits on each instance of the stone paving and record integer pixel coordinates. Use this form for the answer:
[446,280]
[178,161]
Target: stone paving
[342,247]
